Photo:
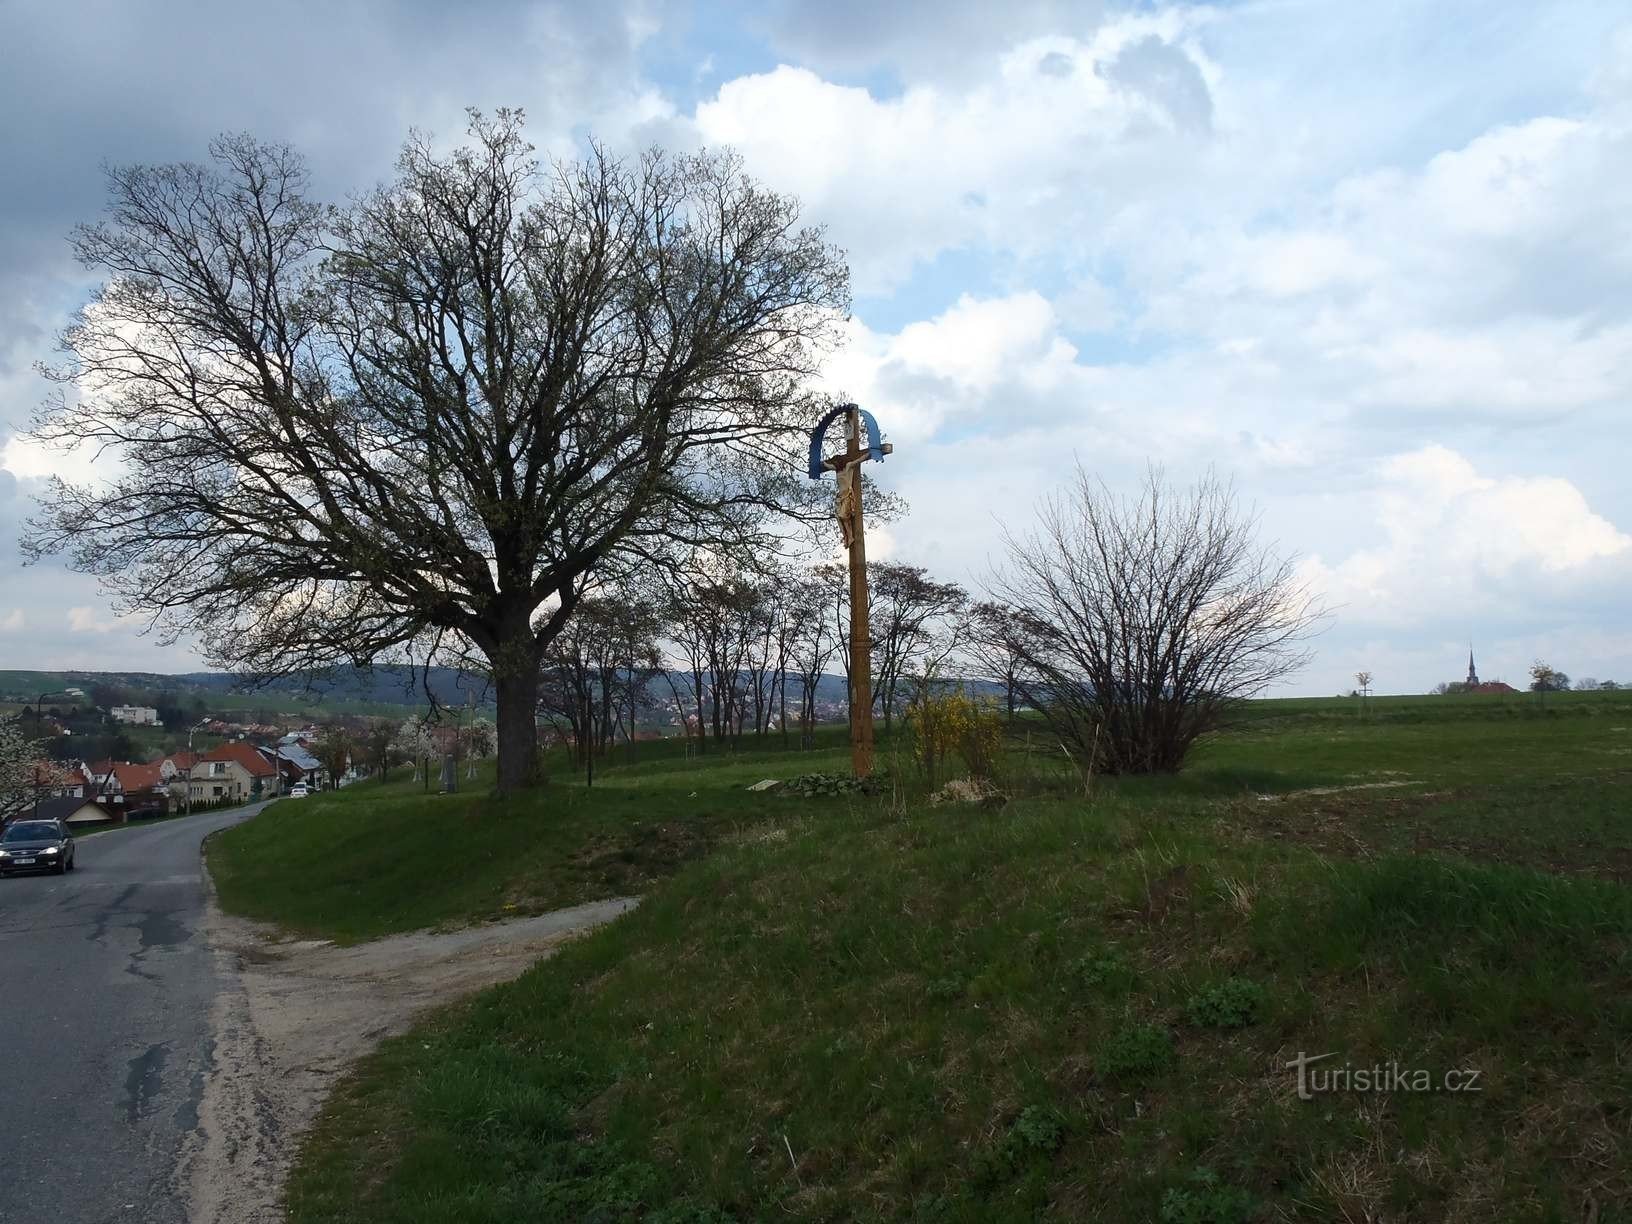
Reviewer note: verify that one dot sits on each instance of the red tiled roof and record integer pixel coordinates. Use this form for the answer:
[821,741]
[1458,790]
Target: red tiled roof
[137,777]
[245,754]
[55,773]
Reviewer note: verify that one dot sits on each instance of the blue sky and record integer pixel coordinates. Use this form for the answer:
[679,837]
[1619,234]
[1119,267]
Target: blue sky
[1370,261]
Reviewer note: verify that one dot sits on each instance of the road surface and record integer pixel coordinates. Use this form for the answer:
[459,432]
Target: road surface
[106,985]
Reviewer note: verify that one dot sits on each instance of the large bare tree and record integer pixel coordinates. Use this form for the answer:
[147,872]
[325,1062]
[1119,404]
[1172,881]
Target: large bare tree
[418,425]
[1138,623]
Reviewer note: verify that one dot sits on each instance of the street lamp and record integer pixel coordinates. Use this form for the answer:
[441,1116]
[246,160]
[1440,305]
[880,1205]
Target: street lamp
[191,762]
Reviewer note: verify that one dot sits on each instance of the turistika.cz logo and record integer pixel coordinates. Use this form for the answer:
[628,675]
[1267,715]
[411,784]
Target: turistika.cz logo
[1388,1076]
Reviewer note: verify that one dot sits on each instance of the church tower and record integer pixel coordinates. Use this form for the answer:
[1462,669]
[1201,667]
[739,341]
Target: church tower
[1473,676]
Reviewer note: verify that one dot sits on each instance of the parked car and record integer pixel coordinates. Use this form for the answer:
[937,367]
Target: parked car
[36,845]
[298,791]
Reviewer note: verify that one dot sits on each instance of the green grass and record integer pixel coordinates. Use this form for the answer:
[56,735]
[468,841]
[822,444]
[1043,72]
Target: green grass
[1073,1008]
[376,858]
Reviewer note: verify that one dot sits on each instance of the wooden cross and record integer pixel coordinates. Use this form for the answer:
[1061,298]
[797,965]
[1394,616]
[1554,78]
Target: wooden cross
[847,467]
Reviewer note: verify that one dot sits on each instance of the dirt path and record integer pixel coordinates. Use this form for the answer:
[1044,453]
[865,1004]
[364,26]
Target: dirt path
[294,1014]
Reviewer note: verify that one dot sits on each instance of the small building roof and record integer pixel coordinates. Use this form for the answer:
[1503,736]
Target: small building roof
[246,755]
[134,777]
[69,808]
[298,755]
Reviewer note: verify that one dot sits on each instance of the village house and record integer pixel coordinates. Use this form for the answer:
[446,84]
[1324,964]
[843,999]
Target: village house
[131,787]
[176,764]
[296,764]
[231,773]
[138,716]
[59,779]
[74,810]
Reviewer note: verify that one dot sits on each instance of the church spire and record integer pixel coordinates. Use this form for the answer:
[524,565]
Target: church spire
[1473,676]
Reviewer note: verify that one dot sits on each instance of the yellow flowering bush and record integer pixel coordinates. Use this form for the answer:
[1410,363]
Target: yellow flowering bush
[952,723]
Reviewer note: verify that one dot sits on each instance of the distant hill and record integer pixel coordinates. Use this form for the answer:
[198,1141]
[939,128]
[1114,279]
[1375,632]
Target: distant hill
[379,686]
[347,690]
[384,685]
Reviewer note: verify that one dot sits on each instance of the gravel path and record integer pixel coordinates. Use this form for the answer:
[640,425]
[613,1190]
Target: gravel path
[294,1014]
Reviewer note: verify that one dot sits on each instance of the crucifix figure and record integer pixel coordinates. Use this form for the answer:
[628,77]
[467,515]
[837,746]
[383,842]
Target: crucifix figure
[846,466]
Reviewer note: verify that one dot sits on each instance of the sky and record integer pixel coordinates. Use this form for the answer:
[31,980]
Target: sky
[1370,262]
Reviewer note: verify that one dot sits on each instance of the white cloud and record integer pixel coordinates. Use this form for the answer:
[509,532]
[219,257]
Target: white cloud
[12,621]
[1054,128]
[1456,544]
[86,619]
[984,363]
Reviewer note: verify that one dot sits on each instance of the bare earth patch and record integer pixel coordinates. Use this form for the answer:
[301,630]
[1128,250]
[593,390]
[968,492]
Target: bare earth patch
[1336,790]
[293,1015]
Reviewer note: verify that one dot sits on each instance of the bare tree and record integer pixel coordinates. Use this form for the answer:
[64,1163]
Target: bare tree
[815,600]
[1147,619]
[915,623]
[420,425]
[994,646]
[333,752]
[597,669]
[711,623]
[376,742]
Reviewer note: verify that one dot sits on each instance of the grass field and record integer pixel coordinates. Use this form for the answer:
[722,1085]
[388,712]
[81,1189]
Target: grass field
[1073,1007]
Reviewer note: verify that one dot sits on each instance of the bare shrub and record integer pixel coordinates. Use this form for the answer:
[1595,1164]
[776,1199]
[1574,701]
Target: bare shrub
[1141,621]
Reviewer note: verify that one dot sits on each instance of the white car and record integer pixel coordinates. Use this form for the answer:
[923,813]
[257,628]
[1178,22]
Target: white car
[299,791]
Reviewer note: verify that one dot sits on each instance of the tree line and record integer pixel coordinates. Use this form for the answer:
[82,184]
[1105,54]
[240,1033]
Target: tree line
[737,651]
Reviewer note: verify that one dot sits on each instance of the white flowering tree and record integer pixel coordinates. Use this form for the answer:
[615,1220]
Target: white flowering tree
[415,741]
[18,757]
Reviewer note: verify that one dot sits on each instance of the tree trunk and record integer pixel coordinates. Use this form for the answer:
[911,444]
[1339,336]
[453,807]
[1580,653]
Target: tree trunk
[517,695]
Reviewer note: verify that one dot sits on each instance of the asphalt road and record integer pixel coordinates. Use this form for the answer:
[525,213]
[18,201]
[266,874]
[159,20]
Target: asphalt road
[106,982]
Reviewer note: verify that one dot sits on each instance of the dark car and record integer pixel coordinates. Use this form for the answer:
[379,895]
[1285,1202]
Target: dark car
[36,845]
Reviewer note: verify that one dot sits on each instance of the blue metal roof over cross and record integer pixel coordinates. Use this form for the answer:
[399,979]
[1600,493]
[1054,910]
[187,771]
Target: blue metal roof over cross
[874,448]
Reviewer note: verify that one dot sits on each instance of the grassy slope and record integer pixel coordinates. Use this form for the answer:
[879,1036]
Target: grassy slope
[882,1010]
[374,859]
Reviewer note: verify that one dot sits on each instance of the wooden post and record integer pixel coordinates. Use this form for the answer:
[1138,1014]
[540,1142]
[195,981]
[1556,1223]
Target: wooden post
[861,643]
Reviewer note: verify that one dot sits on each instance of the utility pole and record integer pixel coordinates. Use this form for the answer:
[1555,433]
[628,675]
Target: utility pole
[852,528]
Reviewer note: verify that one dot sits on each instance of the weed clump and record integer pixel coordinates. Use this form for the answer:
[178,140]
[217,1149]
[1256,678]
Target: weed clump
[1205,1200]
[1105,971]
[1231,1004]
[813,784]
[1136,1051]
[1037,1133]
